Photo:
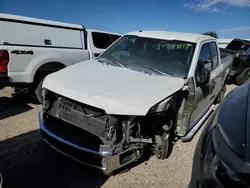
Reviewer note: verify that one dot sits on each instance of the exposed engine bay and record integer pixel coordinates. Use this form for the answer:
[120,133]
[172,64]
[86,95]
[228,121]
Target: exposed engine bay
[91,128]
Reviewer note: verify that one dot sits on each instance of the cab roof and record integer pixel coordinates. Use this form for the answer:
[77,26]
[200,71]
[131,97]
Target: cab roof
[189,37]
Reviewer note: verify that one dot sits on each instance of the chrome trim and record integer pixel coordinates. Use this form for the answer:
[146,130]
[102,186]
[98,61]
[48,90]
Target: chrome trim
[41,123]
[98,167]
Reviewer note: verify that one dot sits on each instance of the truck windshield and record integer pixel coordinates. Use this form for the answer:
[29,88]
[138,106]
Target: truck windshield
[169,57]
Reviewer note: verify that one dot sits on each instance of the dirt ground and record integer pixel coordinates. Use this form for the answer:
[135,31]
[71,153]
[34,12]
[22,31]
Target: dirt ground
[26,161]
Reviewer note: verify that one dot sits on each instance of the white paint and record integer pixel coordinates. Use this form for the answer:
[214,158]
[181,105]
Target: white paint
[24,18]
[114,89]
[30,37]
[27,34]
[189,37]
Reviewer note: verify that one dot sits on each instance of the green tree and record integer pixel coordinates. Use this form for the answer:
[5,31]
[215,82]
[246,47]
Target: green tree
[211,33]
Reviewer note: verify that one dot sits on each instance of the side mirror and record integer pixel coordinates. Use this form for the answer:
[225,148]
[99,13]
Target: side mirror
[203,75]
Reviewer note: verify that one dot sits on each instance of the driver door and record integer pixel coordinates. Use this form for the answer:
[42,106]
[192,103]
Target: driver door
[203,92]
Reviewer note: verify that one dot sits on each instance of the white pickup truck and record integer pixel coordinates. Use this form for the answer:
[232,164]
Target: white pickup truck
[32,48]
[147,90]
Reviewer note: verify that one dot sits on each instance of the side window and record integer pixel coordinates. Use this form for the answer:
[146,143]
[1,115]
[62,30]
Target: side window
[248,50]
[114,37]
[205,55]
[215,58]
[101,40]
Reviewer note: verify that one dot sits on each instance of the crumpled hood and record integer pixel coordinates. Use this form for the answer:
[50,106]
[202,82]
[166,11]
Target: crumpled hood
[116,90]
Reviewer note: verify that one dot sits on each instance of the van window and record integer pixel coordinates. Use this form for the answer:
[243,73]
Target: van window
[114,38]
[101,40]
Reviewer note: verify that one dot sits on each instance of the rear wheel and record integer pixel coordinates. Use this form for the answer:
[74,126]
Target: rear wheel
[243,77]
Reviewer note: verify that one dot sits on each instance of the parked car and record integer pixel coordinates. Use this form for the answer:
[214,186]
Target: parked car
[147,90]
[32,48]
[222,154]
[240,49]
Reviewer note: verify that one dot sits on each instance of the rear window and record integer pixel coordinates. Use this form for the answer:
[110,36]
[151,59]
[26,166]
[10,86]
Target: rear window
[101,40]
[114,38]
[235,45]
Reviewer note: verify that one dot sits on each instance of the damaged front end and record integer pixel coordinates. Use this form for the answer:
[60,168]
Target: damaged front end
[89,135]
[108,142]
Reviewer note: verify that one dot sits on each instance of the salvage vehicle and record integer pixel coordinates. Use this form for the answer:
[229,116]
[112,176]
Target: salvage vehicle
[41,47]
[222,154]
[240,49]
[146,91]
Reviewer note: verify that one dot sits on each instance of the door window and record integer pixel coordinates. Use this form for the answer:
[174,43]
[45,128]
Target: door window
[206,56]
[247,49]
[215,57]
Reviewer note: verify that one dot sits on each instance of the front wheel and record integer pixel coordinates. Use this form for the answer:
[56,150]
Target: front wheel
[162,146]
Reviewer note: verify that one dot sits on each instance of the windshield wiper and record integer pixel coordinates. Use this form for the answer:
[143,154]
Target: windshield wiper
[102,60]
[155,70]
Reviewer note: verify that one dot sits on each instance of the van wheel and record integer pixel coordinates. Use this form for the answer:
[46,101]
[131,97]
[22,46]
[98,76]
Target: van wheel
[243,77]
[38,91]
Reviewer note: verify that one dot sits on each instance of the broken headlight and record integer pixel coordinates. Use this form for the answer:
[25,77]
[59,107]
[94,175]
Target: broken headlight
[161,106]
[46,101]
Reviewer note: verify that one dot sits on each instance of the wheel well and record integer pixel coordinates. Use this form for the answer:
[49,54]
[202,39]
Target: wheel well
[46,69]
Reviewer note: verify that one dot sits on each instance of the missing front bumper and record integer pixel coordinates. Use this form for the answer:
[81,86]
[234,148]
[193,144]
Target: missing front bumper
[104,160]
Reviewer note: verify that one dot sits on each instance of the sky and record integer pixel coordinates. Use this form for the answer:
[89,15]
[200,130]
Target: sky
[229,18]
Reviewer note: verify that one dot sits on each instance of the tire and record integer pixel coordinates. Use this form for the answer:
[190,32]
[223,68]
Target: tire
[166,147]
[38,90]
[243,77]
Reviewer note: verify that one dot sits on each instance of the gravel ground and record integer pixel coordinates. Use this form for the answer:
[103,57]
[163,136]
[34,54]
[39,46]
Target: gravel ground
[26,161]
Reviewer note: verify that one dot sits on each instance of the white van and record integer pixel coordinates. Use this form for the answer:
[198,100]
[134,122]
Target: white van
[32,48]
